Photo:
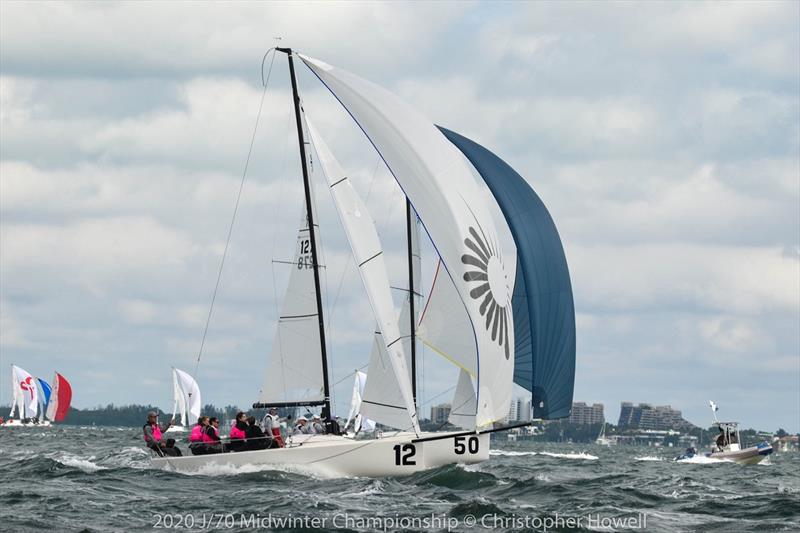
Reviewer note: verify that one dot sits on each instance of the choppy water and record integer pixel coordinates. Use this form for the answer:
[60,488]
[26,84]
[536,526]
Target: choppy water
[97,479]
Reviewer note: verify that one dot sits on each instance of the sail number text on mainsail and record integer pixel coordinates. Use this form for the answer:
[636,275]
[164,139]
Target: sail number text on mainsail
[304,260]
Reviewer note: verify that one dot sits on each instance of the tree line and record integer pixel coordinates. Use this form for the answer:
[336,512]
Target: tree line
[129,415]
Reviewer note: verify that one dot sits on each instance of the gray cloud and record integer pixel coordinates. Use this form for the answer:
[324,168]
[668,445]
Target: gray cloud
[663,138]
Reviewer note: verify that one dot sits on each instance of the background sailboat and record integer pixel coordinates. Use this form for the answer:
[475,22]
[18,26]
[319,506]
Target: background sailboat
[60,399]
[187,401]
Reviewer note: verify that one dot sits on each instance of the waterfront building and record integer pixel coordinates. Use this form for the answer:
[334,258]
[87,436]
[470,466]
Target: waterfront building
[583,414]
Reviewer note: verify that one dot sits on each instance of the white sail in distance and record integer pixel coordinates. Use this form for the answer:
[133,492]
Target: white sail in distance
[178,400]
[368,254]
[25,393]
[437,179]
[192,400]
[360,423]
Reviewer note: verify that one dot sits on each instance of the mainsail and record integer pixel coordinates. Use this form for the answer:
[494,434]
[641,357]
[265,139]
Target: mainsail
[25,393]
[294,373]
[438,182]
[544,311]
[368,254]
[191,400]
[60,399]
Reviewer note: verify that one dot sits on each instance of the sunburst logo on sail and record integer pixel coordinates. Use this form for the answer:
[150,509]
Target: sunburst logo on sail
[491,285]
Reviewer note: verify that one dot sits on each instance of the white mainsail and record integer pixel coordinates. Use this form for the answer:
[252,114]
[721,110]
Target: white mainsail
[368,254]
[437,180]
[294,372]
[25,393]
[191,399]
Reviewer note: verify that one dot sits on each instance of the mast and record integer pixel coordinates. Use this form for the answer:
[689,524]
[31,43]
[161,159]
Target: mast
[326,406]
[411,294]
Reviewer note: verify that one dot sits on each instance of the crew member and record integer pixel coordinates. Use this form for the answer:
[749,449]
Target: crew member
[238,433]
[211,436]
[317,427]
[272,426]
[301,428]
[153,434]
[196,442]
[256,440]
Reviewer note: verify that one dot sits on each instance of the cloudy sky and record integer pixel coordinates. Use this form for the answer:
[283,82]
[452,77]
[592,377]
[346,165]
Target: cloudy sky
[663,137]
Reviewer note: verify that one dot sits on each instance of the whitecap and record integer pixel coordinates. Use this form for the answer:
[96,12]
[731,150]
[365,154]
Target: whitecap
[510,453]
[649,458]
[702,460]
[580,455]
[78,462]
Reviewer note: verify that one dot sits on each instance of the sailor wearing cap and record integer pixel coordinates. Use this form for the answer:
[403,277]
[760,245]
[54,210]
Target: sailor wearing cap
[301,428]
[317,427]
[153,435]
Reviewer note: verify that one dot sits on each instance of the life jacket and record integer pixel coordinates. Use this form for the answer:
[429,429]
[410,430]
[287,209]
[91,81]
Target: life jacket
[156,432]
[196,434]
[207,438]
[236,433]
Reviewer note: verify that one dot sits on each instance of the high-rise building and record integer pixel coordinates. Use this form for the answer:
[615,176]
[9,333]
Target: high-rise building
[583,414]
[520,410]
[440,413]
[645,416]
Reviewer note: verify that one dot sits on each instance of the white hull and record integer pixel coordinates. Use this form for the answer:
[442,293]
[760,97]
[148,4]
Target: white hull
[334,456]
[748,456]
[177,429]
[15,423]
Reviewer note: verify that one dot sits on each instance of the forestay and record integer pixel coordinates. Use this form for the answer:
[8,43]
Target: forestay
[368,254]
[437,180]
[544,311]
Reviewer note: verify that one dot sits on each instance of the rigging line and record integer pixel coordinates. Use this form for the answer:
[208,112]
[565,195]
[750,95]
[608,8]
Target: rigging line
[353,373]
[236,206]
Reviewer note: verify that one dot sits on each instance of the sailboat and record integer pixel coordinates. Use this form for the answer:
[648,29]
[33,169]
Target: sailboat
[188,401]
[496,329]
[60,399]
[602,440]
[35,401]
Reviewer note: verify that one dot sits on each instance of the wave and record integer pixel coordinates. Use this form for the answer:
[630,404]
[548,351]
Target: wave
[580,455]
[702,460]
[80,463]
[648,458]
[510,453]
